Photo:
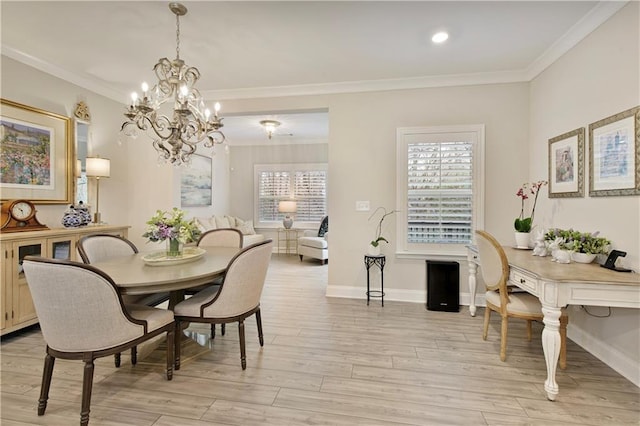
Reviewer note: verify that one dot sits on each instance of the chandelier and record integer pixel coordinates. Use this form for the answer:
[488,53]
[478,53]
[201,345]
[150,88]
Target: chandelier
[175,138]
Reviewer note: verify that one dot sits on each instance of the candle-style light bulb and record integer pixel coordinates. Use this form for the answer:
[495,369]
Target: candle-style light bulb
[145,86]
[184,91]
[207,114]
[134,98]
[216,107]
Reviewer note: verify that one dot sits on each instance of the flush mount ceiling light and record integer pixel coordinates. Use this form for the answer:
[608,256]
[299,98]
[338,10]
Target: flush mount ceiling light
[269,126]
[175,138]
[440,37]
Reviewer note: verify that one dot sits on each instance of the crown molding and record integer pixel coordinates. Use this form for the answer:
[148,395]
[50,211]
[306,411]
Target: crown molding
[592,20]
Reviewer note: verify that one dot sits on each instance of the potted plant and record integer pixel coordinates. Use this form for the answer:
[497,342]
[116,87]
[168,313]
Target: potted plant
[523,224]
[583,246]
[374,245]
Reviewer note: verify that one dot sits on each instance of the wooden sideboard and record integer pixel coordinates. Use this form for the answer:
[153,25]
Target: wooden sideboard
[60,243]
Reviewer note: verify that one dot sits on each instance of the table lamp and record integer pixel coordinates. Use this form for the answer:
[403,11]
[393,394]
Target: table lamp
[97,167]
[287,207]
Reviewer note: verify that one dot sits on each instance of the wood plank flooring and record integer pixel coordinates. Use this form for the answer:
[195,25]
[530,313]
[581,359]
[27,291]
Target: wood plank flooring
[326,362]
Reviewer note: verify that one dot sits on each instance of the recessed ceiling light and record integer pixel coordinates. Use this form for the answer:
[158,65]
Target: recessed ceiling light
[440,37]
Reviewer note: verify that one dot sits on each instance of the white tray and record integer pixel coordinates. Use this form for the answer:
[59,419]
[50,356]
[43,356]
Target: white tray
[160,258]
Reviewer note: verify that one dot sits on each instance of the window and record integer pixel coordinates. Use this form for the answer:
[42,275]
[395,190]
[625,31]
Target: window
[440,188]
[305,183]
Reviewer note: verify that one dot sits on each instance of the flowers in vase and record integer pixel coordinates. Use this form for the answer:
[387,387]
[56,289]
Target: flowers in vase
[171,225]
[522,223]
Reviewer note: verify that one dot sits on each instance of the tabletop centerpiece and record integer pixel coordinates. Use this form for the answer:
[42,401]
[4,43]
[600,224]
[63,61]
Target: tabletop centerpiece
[172,227]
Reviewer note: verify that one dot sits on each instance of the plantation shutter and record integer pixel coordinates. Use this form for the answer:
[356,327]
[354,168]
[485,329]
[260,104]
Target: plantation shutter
[273,187]
[440,192]
[310,192]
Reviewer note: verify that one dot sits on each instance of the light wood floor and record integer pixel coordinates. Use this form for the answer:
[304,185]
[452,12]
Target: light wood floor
[327,362]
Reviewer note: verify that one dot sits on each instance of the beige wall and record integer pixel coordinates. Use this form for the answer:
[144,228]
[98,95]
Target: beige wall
[597,78]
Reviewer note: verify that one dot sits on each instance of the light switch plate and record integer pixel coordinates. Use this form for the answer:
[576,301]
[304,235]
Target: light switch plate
[362,206]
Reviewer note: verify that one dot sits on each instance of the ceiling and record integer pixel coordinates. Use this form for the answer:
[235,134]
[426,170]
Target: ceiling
[259,49]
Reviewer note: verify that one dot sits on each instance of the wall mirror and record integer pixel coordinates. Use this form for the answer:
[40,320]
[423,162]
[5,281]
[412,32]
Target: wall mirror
[82,130]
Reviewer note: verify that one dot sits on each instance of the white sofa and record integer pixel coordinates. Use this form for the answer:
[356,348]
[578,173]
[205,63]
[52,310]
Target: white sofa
[249,235]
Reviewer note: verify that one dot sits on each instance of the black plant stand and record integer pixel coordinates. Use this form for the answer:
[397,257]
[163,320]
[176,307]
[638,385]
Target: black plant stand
[379,261]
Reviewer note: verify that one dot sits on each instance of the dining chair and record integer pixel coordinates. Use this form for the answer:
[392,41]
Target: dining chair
[494,268]
[223,237]
[82,317]
[102,247]
[237,297]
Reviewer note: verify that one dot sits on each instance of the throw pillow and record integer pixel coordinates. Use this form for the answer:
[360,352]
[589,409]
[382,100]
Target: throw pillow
[222,222]
[246,227]
[205,223]
[324,226]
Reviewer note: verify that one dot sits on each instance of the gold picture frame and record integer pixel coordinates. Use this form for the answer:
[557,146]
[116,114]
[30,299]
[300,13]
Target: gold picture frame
[614,155]
[36,154]
[566,165]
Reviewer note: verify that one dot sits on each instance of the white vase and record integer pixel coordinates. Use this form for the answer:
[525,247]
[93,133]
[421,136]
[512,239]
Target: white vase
[523,240]
[373,250]
[583,257]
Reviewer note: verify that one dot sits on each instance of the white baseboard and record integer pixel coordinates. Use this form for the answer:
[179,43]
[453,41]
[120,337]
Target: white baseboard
[615,359]
[393,294]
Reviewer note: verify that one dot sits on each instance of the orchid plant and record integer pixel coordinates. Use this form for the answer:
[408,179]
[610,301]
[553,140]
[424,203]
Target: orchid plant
[522,223]
[379,238]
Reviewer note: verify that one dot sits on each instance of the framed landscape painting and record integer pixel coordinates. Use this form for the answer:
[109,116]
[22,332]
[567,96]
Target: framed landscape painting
[614,160]
[35,154]
[196,182]
[566,165]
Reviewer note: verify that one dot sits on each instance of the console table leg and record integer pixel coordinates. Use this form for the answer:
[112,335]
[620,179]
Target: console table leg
[473,271]
[551,348]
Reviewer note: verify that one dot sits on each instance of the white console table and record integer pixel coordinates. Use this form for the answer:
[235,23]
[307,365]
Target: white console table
[558,285]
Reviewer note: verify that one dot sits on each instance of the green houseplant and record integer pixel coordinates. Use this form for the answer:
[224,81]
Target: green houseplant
[522,223]
[172,227]
[375,243]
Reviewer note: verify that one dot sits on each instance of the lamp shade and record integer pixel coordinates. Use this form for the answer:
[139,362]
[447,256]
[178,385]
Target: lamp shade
[287,207]
[98,167]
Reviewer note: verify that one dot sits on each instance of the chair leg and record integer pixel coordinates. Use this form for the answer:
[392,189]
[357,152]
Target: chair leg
[529,329]
[487,316]
[223,328]
[47,373]
[259,322]
[300,258]
[563,342]
[177,344]
[134,355]
[87,385]
[503,338]
[243,354]
[116,360]
[170,352]
[213,331]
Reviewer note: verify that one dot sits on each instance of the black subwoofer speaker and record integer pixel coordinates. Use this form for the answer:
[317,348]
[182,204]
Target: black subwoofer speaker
[443,286]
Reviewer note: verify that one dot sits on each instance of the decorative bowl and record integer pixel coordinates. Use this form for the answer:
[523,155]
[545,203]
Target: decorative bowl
[583,257]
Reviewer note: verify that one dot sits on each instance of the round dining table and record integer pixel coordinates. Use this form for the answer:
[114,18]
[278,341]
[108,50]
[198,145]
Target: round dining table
[134,276]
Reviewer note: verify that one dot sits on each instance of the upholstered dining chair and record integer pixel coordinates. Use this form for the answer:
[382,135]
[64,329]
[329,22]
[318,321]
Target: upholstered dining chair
[494,267]
[223,237]
[82,317]
[102,247]
[237,298]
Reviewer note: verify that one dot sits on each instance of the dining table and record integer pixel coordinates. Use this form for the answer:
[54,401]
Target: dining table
[135,275]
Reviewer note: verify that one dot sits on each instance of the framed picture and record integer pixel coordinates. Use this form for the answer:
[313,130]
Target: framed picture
[196,182]
[35,154]
[614,155]
[566,165]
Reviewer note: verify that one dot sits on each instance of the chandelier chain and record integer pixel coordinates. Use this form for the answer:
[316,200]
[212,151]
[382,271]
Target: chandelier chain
[177,36]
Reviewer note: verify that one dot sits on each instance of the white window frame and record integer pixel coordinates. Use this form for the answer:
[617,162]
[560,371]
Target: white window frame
[291,168]
[474,133]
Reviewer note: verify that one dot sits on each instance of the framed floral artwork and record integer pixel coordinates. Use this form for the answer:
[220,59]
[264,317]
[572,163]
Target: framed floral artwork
[35,154]
[614,155]
[566,165]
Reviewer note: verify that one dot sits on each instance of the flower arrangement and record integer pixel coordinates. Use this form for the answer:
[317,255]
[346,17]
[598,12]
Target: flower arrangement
[522,223]
[579,242]
[379,238]
[171,225]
